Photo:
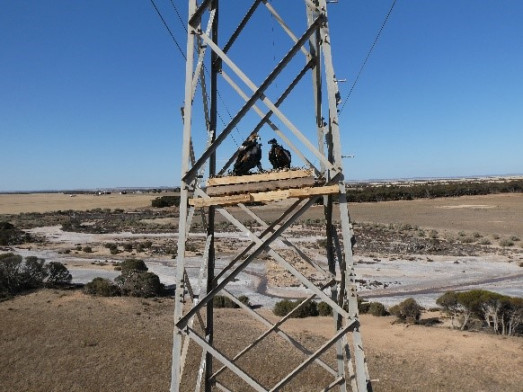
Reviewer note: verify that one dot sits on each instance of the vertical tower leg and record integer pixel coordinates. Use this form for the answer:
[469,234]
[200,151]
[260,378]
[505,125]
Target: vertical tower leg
[183,214]
[334,143]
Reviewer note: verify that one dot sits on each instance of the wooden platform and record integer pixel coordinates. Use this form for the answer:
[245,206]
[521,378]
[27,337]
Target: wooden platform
[263,187]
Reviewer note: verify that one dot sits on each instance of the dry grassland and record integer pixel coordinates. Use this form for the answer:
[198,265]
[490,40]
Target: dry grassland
[66,341]
[490,214]
[46,202]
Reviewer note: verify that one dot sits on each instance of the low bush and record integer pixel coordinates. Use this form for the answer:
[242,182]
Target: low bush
[136,281]
[408,311]
[10,235]
[141,284]
[18,275]
[282,308]
[101,287]
[221,301]
[166,201]
[363,306]
[506,243]
[58,274]
[324,309]
[377,309]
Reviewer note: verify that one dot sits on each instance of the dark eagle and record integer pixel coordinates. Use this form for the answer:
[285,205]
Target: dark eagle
[279,157]
[249,155]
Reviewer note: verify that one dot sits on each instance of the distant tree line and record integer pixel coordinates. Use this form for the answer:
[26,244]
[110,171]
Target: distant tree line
[373,193]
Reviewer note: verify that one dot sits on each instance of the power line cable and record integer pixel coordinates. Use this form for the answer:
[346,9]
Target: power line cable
[179,16]
[180,19]
[368,55]
[169,30]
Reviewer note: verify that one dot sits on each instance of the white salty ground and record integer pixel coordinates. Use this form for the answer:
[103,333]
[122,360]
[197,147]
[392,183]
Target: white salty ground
[423,278]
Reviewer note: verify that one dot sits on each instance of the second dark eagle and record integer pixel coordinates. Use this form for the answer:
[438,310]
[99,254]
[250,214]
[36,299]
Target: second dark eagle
[279,157]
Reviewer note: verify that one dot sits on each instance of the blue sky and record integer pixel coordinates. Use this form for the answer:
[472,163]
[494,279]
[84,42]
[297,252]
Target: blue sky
[91,91]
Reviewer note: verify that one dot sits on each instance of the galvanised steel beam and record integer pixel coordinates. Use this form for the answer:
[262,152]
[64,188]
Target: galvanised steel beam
[289,244]
[209,328]
[275,328]
[223,359]
[184,196]
[313,357]
[182,322]
[362,375]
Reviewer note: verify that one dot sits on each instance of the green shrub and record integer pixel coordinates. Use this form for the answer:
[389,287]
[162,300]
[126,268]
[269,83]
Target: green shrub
[221,301]
[135,281]
[10,235]
[58,274]
[140,284]
[17,275]
[506,243]
[101,287]
[129,266]
[408,310]
[244,300]
[282,308]
[166,201]
[324,309]
[87,249]
[377,309]
[322,243]
[363,306]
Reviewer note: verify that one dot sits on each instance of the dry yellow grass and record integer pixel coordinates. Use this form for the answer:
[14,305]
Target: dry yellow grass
[490,214]
[66,341]
[46,202]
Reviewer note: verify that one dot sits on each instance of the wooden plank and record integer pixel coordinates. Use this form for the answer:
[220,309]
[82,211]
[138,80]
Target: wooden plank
[265,196]
[271,176]
[260,186]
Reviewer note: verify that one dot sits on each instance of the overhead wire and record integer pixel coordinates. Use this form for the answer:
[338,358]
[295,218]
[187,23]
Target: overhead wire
[180,19]
[367,57]
[179,16]
[169,30]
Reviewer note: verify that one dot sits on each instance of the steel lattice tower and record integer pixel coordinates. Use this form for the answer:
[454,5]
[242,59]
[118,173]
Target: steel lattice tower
[210,62]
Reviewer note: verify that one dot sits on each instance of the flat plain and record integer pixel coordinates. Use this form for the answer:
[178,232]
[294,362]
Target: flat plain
[54,340]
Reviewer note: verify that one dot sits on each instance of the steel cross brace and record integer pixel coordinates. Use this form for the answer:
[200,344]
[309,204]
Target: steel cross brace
[258,94]
[281,260]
